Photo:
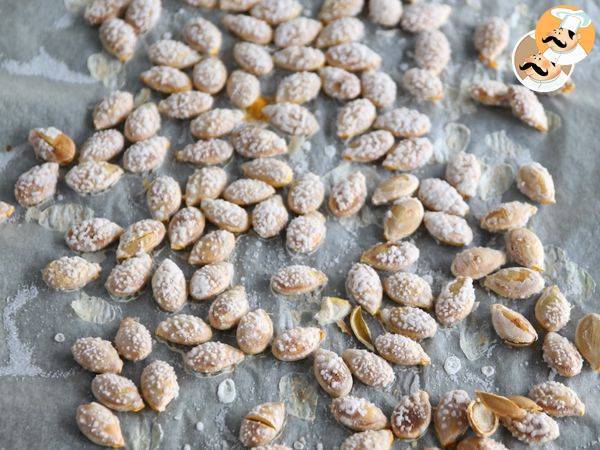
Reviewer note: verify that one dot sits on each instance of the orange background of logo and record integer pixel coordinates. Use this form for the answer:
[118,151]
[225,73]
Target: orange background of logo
[548,22]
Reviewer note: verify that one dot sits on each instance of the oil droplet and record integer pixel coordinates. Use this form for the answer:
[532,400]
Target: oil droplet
[226,391]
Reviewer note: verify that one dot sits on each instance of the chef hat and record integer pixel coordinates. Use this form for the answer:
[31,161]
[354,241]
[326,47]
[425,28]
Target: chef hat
[571,20]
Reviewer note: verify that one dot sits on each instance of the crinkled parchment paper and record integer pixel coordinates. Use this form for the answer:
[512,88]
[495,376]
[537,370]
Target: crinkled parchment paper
[52,72]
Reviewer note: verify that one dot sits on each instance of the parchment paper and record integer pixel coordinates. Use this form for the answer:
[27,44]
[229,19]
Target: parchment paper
[46,52]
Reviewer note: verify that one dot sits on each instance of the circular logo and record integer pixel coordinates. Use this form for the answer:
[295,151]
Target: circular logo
[534,70]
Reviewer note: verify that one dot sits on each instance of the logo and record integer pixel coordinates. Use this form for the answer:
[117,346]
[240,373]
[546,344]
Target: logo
[544,59]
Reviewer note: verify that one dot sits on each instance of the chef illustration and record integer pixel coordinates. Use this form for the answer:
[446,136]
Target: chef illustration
[563,42]
[542,75]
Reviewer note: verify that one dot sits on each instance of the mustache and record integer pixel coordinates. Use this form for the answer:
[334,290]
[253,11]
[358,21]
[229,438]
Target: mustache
[555,40]
[535,67]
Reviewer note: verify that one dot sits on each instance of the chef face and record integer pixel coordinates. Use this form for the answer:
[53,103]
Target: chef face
[539,68]
[561,40]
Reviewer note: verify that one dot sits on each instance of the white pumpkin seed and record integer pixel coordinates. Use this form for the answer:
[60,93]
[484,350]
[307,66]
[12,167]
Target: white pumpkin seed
[185,227]
[212,248]
[306,194]
[254,332]
[140,237]
[297,279]
[394,188]
[184,329]
[36,185]
[70,273]
[210,152]
[211,280]
[169,287]
[358,414]
[353,57]
[408,289]
[159,385]
[96,355]
[513,328]
[448,229]
[92,235]
[99,425]
[129,278]
[118,38]
[369,368]
[339,83]
[348,195]
[404,122]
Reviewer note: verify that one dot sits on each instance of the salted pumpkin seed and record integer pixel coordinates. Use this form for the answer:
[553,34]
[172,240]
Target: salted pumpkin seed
[527,108]
[243,89]
[292,119]
[464,172]
[369,147]
[364,287]
[477,262]
[253,58]
[117,392]
[272,171]
[448,229]
[52,145]
[536,428]
[391,256]
[212,248]
[269,217]
[385,13]
[423,16]
[209,75]
[140,237]
[513,328]
[379,88]
[168,52]
[247,191]
[300,87]
[143,15]
[228,308]
[339,83]
[438,195]
[455,301]
[255,142]
[552,310]
[394,188]
[142,123]
[96,355]
[297,343]
[483,420]
[450,417]
[129,278]
[159,385]
[298,31]
[166,79]
[146,155]
[112,110]
[209,152]
[490,39]
[515,282]
[348,195]
[97,11]
[185,228]
[408,289]
[133,340]
[225,215]
[262,424]
[297,279]
[254,332]
[506,216]
[336,9]
[408,321]
[355,118]
[556,399]
[432,50]
[202,35]
[205,183]
[399,349]
[353,57]
[371,439]
[561,355]
[306,194]
[358,414]
[103,145]
[92,235]
[36,185]
[169,287]
[534,181]
[163,198]
[369,368]
[185,105]
[480,443]
[276,11]
[587,338]
[332,373]
[404,122]
[409,154]
[216,123]
[70,273]
[306,233]
[523,247]
[99,425]
[411,416]
[248,28]
[423,84]
[93,177]
[184,329]
[212,357]
[490,93]
[299,58]
[211,280]
[118,38]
